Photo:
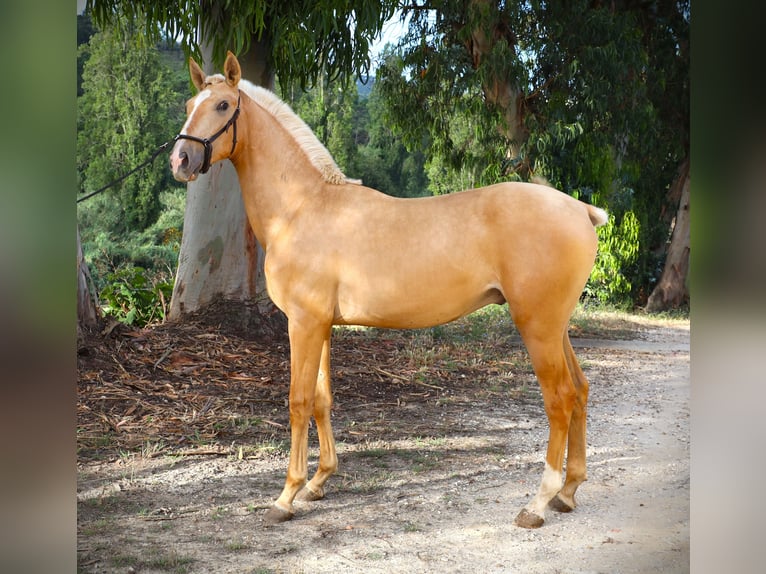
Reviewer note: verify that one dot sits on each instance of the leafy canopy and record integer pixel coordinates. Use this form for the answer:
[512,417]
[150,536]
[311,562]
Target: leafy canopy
[303,37]
[349,121]
[592,95]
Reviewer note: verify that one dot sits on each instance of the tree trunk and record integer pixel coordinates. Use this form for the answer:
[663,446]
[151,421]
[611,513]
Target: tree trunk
[220,264]
[87,310]
[672,290]
[498,91]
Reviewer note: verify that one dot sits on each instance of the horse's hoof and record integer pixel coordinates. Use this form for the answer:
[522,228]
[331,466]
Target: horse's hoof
[276,515]
[526,519]
[308,495]
[557,504]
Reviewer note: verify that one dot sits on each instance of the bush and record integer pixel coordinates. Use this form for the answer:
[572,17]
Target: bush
[133,299]
[617,253]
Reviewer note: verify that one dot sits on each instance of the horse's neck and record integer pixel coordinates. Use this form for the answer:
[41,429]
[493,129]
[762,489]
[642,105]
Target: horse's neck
[274,173]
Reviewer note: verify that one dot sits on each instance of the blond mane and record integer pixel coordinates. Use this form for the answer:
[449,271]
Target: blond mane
[316,153]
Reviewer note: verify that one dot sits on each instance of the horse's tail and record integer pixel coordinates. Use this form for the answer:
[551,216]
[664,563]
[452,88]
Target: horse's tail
[597,215]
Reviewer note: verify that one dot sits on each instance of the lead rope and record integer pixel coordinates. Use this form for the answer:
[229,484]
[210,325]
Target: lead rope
[131,172]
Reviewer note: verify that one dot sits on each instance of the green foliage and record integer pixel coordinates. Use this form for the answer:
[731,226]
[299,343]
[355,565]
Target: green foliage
[602,100]
[155,248]
[131,102]
[306,39]
[393,169]
[438,116]
[131,233]
[125,112]
[329,110]
[436,94]
[134,299]
[354,131]
[618,250]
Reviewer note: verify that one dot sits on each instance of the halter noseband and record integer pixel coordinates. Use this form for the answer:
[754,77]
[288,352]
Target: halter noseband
[208,142]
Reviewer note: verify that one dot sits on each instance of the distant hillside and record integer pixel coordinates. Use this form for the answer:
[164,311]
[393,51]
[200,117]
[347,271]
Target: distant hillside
[364,89]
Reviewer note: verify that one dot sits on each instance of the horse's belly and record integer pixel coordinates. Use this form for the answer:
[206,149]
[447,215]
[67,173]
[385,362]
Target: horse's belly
[413,308]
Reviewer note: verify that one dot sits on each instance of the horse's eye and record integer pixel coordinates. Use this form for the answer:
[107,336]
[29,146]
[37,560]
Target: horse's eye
[223,106]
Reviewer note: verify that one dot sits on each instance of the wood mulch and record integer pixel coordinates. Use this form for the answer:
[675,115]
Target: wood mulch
[187,388]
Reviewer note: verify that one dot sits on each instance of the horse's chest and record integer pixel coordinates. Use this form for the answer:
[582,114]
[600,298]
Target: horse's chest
[298,281]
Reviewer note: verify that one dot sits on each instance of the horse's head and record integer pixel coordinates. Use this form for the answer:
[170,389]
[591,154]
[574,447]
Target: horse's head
[210,132]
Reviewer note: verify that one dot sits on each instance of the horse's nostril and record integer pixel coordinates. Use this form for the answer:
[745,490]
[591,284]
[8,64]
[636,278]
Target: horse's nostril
[179,162]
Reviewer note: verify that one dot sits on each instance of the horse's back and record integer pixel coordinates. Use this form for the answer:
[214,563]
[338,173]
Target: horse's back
[484,228]
[515,201]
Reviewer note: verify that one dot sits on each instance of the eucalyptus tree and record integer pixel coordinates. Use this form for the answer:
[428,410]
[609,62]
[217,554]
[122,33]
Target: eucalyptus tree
[220,262]
[591,95]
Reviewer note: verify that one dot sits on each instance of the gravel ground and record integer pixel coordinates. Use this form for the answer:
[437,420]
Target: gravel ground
[423,485]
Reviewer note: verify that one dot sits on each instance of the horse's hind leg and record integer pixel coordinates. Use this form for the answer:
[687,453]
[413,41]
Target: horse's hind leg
[328,460]
[564,501]
[559,396]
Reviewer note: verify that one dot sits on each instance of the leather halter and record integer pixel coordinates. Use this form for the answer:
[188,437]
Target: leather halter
[208,142]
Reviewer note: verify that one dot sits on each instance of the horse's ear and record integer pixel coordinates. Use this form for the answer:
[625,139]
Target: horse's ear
[197,75]
[231,70]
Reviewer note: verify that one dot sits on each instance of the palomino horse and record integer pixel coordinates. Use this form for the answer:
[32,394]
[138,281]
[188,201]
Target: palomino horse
[339,253]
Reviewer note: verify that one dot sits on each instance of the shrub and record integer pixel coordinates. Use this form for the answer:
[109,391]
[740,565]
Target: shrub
[133,299]
[617,253]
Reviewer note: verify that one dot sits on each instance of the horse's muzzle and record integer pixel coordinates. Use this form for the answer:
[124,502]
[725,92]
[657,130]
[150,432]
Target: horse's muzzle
[186,160]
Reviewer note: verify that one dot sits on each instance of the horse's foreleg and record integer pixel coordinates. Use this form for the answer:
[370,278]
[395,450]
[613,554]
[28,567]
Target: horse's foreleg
[564,501]
[328,460]
[306,340]
[559,396]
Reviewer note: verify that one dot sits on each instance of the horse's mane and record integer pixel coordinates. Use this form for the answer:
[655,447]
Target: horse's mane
[316,153]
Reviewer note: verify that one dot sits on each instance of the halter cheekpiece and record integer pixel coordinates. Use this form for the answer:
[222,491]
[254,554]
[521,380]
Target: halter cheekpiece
[208,142]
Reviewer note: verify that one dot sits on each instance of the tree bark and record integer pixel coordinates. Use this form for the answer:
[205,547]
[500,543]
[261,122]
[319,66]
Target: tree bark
[499,91]
[220,275]
[87,310]
[672,290]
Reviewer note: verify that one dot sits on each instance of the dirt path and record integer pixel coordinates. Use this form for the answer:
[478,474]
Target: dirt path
[441,501]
